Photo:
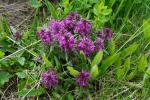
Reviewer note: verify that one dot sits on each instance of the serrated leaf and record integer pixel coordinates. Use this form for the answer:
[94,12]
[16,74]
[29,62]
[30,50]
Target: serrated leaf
[72,71]
[128,51]
[94,71]
[97,58]
[4,77]
[142,63]
[31,92]
[108,62]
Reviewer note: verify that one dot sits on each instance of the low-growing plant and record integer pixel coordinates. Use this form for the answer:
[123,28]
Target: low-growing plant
[75,52]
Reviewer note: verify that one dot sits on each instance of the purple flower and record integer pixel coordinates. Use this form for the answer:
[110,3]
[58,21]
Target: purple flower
[45,35]
[86,45]
[67,41]
[74,16]
[68,24]
[108,33]
[17,35]
[49,79]
[100,34]
[55,27]
[99,44]
[83,28]
[83,78]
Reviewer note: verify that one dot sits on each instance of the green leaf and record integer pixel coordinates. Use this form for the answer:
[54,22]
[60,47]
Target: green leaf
[35,23]
[112,2]
[4,77]
[2,54]
[123,70]
[56,95]
[35,3]
[21,60]
[31,92]
[120,73]
[46,61]
[57,62]
[5,26]
[70,96]
[146,29]
[128,51]
[66,6]
[97,58]
[94,71]
[101,10]
[127,63]
[22,74]
[146,78]
[142,63]
[108,62]
[112,47]
[21,84]
[72,71]
[131,75]
[51,9]
[83,57]
[137,1]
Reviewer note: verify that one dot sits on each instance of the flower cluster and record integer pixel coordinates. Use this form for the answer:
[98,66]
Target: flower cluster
[17,36]
[83,78]
[49,79]
[86,45]
[74,32]
[83,28]
[46,36]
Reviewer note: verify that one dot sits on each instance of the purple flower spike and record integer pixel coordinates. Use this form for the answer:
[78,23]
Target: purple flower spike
[99,45]
[74,16]
[45,36]
[49,79]
[67,41]
[55,27]
[86,45]
[108,33]
[83,78]
[68,24]
[17,36]
[83,28]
